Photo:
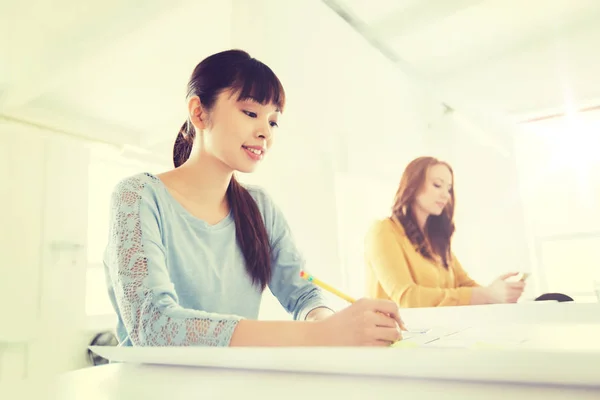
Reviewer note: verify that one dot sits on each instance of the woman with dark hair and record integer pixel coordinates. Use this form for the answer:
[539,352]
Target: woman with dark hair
[408,256]
[191,250]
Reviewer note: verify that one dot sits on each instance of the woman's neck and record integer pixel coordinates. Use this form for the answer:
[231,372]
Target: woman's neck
[204,180]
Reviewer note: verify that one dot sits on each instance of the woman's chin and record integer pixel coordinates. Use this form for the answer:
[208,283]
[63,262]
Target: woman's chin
[247,169]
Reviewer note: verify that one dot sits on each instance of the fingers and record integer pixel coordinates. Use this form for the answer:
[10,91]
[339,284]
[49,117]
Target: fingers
[382,320]
[402,325]
[382,343]
[387,336]
[387,331]
[386,307]
[508,275]
[391,309]
[514,293]
[515,285]
[397,320]
[513,297]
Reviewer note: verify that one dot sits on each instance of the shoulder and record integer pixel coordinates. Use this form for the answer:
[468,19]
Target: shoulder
[273,217]
[386,226]
[264,201]
[258,193]
[132,189]
[137,183]
[385,235]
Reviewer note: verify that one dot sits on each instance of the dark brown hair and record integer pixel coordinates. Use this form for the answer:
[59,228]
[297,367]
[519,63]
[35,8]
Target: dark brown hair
[437,236]
[247,78]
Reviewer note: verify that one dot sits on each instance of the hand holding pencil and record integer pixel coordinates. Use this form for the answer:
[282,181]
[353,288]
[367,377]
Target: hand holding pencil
[366,322]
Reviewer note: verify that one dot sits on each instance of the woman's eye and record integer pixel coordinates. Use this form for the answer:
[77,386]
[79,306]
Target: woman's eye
[437,185]
[274,124]
[250,114]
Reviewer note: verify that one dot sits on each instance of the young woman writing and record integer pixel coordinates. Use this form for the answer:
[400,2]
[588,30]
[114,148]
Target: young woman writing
[191,250]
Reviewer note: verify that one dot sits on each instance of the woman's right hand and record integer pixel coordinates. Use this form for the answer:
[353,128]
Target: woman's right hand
[501,291]
[367,322]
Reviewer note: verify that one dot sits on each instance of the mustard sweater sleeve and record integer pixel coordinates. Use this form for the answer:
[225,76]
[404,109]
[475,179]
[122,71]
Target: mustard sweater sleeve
[387,259]
[462,278]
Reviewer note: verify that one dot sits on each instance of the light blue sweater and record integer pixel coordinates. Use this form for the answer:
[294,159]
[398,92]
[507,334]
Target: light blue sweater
[175,280]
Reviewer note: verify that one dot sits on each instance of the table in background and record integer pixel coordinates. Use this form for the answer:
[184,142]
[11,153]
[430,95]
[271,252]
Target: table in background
[499,314]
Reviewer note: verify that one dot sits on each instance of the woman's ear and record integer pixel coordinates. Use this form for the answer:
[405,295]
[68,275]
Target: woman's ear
[198,115]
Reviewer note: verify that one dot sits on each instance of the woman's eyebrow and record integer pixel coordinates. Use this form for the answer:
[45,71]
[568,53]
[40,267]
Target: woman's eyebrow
[252,100]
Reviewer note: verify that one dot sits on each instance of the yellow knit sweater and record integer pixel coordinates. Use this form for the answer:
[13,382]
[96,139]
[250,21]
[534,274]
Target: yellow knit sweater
[395,270]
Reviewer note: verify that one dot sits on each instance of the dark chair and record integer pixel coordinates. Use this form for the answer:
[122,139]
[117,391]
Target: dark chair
[554,296]
[101,339]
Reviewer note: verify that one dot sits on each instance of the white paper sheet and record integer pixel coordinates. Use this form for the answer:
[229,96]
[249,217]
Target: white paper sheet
[520,366]
[464,338]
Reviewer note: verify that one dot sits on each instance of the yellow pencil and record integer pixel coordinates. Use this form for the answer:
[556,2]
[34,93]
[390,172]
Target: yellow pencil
[333,290]
[325,286]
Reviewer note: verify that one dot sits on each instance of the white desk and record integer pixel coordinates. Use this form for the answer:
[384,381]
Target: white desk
[552,325]
[535,312]
[149,382]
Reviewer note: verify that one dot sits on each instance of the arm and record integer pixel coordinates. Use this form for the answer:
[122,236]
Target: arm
[144,293]
[299,297]
[276,333]
[387,259]
[148,302]
[462,278]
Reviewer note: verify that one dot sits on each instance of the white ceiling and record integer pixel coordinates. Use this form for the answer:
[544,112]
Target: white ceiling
[517,57]
[89,68]
[105,70]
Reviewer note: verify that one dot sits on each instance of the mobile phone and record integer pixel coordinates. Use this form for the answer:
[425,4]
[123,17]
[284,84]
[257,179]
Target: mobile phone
[524,276]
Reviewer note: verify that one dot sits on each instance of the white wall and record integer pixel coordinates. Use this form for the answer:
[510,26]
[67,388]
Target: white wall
[367,120]
[346,102]
[21,223]
[43,281]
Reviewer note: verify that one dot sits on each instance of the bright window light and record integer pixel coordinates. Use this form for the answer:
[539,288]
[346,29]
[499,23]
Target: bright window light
[560,177]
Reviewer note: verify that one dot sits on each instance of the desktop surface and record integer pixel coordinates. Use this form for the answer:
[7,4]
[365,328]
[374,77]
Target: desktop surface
[155,382]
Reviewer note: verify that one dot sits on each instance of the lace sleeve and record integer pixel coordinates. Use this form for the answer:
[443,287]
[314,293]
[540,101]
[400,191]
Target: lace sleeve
[145,295]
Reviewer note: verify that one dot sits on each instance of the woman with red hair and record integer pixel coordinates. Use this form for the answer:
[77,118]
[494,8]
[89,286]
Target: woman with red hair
[408,255]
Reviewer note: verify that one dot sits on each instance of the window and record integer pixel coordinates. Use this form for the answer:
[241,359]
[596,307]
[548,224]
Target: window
[570,264]
[560,180]
[106,169]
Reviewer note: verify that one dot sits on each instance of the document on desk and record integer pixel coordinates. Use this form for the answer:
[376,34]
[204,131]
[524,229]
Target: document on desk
[472,338]
[487,364]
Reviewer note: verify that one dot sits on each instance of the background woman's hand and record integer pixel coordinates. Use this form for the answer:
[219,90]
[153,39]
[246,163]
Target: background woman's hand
[501,291]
